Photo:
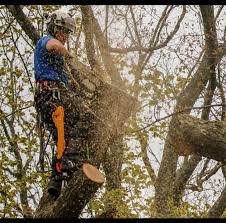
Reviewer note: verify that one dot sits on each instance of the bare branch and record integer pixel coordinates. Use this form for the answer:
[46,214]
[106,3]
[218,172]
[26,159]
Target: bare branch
[169,37]
[22,59]
[2,34]
[77,38]
[183,175]
[159,26]
[143,140]
[176,28]
[24,22]
[88,30]
[209,174]
[3,116]
[135,26]
[106,22]
[222,96]
[178,112]
[219,12]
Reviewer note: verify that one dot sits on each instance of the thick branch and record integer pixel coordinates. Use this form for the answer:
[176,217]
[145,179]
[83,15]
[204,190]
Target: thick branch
[185,172]
[112,165]
[183,176]
[103,46]
[205,138]
[188,97]
[24,22]
[72,200]
[88,30]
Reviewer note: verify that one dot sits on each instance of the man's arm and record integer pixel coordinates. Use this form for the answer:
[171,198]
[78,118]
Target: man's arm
[57,47]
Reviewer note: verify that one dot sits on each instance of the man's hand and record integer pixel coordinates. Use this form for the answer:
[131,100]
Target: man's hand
[69,57]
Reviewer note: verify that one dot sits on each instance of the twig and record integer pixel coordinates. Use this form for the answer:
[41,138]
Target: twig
[2,34]
[20,109]
[176,113]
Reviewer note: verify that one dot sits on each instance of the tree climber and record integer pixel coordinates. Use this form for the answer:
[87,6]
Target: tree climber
[57,105]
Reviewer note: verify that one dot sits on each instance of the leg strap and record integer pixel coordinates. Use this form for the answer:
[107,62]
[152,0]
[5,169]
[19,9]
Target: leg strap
[58,119]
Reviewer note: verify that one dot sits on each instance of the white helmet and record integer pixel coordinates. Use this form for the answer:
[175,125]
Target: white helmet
[58,18]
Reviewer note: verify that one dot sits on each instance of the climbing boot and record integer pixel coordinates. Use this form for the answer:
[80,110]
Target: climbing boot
[70,162]
[55,183]
[54,186]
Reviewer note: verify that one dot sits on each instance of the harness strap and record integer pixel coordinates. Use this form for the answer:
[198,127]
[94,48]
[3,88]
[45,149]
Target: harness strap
[58,119]
[49,85]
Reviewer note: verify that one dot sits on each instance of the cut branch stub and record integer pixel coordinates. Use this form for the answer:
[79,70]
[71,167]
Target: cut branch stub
[93,173]
[194,135]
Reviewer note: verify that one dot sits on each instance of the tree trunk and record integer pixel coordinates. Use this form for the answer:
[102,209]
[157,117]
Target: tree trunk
[110,107]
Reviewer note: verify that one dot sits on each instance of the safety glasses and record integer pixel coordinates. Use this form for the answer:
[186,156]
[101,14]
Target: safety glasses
[66,30]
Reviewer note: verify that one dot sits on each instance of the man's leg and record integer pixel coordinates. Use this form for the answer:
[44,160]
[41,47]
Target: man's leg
[45,106]
[55,183]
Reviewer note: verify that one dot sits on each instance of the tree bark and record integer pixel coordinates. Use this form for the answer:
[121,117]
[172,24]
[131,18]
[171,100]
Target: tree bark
[204,138]
[72,200]
[219,206]
[89,43]
[183,176]
[187,169]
